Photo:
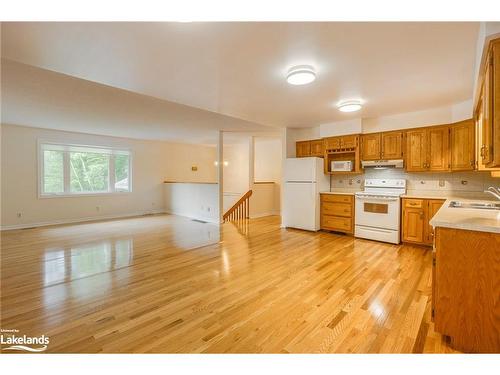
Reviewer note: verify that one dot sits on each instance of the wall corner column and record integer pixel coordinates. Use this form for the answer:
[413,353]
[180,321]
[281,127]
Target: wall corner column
[220,173]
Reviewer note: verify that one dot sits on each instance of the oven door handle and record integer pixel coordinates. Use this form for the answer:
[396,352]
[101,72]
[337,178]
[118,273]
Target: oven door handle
[373,197]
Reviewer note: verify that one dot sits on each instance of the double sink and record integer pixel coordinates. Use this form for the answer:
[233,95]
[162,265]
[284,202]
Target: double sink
[477,205]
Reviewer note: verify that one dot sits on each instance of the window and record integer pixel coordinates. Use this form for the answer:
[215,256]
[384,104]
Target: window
[80,170]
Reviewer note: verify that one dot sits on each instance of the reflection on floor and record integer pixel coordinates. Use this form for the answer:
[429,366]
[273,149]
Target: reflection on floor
[168,284]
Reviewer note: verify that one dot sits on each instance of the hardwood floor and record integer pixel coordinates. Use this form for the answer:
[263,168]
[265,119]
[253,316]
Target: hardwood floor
[165,284]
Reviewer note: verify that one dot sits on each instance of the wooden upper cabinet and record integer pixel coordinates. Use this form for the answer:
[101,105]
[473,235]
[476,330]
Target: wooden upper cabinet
[317,148]
[349,141]
[377,146]
[428,149]
[495,100]
[303,149]
[416,150]
[462,137]
[314,147]
[438,143]
[487,128]
[332,143]
[345,141]
[371,146]
[392,145]
[488,107]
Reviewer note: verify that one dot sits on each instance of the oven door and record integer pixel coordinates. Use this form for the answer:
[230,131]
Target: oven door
[377,211]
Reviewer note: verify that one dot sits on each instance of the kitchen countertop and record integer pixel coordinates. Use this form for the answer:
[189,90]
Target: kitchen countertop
[467,218]
[450,194]
[340,192]
[426,194]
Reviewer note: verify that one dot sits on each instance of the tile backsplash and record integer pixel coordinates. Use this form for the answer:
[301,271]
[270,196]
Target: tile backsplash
[474,182]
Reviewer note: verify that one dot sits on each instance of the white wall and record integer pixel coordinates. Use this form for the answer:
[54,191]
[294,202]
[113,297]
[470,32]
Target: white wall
[236,172]
[267,167]
[340,128]
[293,135]
[265,200]
[183,156]
[433,116]
[193,200]
[267,159]
[153,162]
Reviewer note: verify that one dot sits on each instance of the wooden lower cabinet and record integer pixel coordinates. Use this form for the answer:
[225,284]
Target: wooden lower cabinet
[433,206]
[416,216]
[413,225]
[337,212]
[466,289]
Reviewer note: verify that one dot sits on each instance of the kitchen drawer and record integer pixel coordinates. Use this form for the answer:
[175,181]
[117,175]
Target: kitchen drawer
[413,203]
[336,223]
[337,198]
[337,209]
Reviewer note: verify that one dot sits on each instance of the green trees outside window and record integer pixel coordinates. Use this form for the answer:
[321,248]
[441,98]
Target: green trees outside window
[84,170]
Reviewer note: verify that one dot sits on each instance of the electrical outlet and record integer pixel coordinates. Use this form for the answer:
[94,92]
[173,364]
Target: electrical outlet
[441,183]
[208,209]
[19,214]
[98,208]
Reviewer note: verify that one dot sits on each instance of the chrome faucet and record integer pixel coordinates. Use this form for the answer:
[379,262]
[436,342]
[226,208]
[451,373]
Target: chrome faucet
[493,191]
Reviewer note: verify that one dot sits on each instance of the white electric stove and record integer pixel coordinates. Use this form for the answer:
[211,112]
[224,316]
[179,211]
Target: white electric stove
[378,210]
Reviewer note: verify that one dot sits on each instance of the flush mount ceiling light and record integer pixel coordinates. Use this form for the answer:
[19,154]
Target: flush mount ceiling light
[349,106]
[301,75]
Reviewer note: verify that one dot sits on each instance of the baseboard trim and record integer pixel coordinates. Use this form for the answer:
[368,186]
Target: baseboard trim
[263,214]
[80,220]
[207,219]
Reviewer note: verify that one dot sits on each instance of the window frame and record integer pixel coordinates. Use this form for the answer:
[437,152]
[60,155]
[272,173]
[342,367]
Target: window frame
[67,175]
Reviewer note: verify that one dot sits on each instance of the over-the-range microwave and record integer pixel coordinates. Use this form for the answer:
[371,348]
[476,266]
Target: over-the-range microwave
[341,166]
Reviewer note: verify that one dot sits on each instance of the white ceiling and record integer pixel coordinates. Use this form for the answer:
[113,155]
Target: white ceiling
[238,69]
[40,98]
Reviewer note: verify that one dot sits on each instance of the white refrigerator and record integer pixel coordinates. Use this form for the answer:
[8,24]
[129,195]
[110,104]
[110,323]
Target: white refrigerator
[304,179]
